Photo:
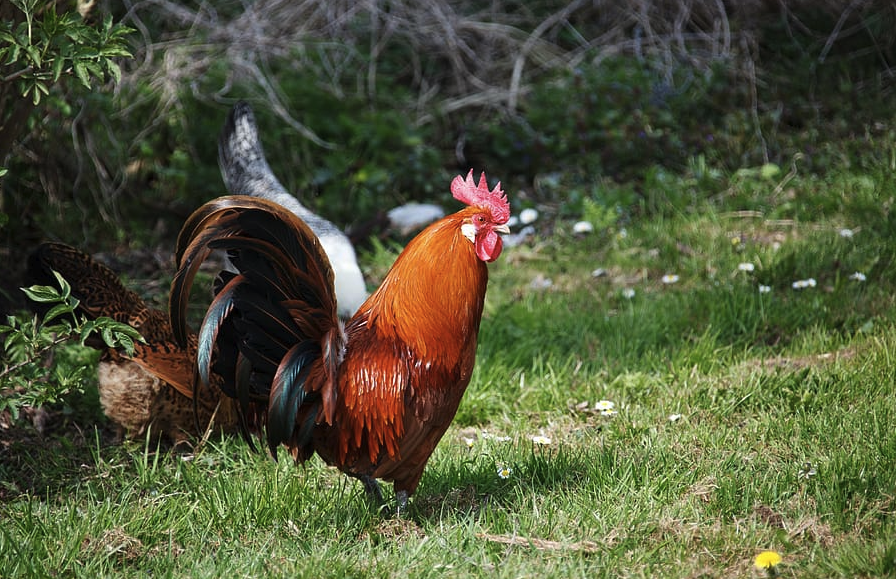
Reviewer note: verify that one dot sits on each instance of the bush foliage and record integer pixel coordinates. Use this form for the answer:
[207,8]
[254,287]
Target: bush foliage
[366,106]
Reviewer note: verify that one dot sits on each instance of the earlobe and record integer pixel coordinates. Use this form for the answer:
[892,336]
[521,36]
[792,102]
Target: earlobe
[469,231]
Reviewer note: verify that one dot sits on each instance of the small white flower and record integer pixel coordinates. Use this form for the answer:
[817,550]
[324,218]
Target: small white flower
[628,293]
[504,472]
[669,278]
[858,276]
[604,405]
[540,283]
[528,216]
[746,266]
[609,412]
[502,438]
[582,227]
[803,283]
[623,233]
[674,417]
[847,233]
[469,441]
[541,440]
[765,289]
[599,272]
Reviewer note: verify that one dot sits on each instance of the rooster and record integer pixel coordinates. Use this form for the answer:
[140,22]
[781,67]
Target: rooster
[372,397]
[152,390]
[246,172]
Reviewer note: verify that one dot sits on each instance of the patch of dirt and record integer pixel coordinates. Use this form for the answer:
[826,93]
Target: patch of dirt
[394,530]
[703,489]
[768,516]
[812,530]
[800,362]
[113,542]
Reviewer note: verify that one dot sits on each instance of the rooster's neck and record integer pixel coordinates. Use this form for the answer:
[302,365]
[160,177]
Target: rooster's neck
[432,298]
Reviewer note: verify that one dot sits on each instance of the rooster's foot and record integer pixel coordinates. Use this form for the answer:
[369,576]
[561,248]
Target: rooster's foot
[401,503]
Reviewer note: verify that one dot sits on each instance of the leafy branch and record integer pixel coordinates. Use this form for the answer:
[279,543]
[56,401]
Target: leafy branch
[42,50]
[27,375]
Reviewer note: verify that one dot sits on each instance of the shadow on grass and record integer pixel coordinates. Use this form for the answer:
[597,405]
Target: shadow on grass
[48,454]
[467,486]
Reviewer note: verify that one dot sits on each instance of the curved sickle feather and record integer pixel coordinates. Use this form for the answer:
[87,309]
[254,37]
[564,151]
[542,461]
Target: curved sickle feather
[277,310]
[217,313]
[288,392]
[243,375]
[211,225]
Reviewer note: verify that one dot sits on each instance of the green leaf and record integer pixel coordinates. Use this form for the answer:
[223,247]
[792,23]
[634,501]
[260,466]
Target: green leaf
[115,51]
[58,64]
[42,293]
[14,53]
[108,338]
[126,342]
[94,68]
[88,328]
[64,287]
[81,73]
[114,70]
[11,339]
[58,310]
[34,55]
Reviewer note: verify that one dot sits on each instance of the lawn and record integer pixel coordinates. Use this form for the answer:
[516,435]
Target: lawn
[669,395]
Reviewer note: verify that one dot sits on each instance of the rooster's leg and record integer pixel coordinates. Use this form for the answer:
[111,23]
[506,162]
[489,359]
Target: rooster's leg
[372,488]
[401,503]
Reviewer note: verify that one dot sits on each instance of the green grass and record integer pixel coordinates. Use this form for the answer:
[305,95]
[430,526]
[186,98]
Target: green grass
[784,435]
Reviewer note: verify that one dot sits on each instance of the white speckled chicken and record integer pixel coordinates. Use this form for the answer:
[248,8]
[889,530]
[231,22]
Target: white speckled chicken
[246,172]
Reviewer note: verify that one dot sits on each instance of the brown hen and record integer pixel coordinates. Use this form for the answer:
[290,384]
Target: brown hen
[152,390]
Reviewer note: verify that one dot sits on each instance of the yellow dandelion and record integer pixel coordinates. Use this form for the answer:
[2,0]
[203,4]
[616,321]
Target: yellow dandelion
[767,560]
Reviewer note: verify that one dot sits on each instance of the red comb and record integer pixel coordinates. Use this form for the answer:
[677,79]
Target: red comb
[467,191]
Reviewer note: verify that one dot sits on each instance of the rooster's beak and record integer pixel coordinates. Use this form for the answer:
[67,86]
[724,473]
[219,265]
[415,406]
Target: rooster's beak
[502,228]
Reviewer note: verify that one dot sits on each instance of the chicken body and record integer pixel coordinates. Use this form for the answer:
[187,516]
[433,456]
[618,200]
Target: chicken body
[374,397]
[151,391]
